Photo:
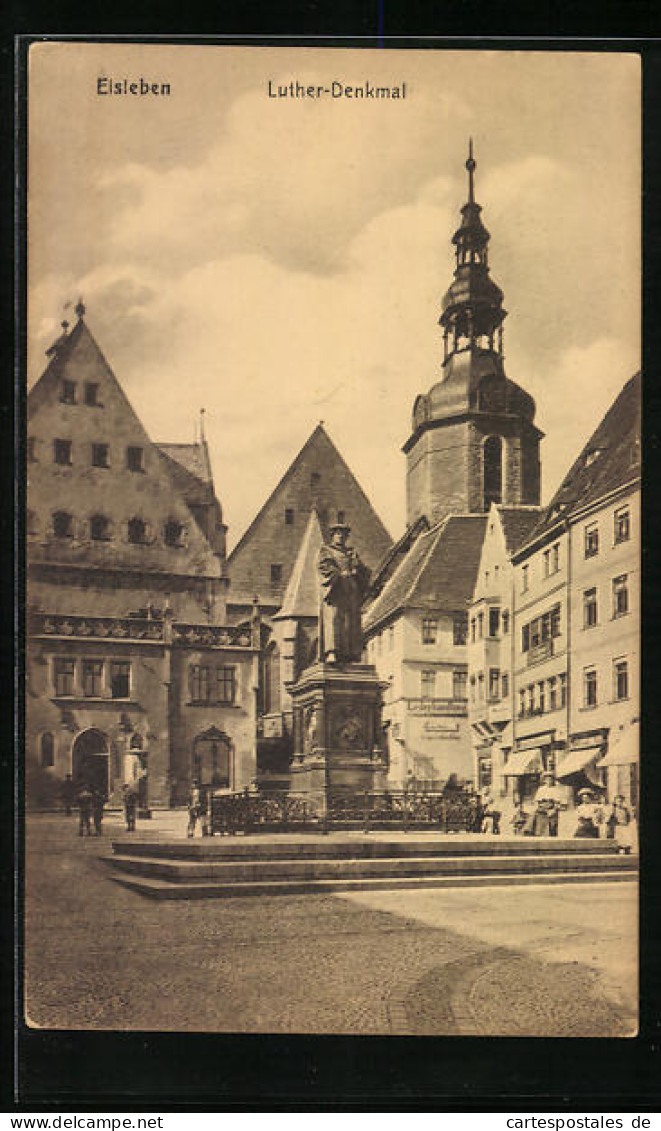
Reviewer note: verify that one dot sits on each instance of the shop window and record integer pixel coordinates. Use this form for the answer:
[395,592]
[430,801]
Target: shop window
[589,608]
[62,524]
[92,679]
[621,679]
[47,745]
[100,455]
[64,671]
[589,687]
[620,595]
[120,680]
[62,452]
[591,543]
[429,630]
[622,525]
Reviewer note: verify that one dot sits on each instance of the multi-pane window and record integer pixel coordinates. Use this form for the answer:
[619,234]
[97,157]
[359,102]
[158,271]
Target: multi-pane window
[553,693]
[622,525]
[494,683]
[589,687]
[620,595]
[459,680]
[621,679]
[62,524]
[120,679]
[494,621]
[591,544]
[555,557]
[589,608]
[225,685]
[530,698]
[99,455]
[541,629]
[524,578]
[135,459]
[62,451]
[459,628]
[563,689]
[64,672]
[505,685]
[100,528]
[212,685]
[429,630]
[289,516]
[276,574]
[173,533]
[541,696]
[137,531]
[91,393]
[92,678]
[68,392]
[427,684]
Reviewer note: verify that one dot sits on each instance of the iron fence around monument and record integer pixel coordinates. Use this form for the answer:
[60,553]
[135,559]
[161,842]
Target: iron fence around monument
[281,811]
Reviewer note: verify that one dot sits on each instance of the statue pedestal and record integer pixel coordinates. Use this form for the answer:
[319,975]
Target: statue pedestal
[337,733]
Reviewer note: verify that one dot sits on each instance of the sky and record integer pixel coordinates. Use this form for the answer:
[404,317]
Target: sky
[282,261]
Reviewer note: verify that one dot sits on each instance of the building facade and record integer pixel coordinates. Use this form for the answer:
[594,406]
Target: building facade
[133,674]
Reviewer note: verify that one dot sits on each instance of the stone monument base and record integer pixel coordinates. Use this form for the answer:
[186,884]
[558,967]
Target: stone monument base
[337,733]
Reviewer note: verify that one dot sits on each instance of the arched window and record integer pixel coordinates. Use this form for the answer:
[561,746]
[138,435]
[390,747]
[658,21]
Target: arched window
[137,528]
[47,746]
[493,471]
[62,525]
[100,528]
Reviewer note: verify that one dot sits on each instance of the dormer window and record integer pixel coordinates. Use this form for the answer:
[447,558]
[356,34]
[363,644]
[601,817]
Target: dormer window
[68,392]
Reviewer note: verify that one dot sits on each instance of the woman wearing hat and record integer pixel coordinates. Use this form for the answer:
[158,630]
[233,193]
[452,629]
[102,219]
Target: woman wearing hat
[620,824]
[589,814]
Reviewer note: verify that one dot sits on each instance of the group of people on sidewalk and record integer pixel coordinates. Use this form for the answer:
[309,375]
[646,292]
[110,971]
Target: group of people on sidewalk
[594,817]
[90,803]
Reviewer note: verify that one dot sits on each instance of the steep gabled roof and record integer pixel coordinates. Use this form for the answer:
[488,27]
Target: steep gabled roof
[518,523]
[439,572]
[610,459]
[301,597]
[396,553]
[190,469]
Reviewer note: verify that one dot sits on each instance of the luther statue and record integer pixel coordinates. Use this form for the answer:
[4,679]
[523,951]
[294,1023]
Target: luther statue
[344,581]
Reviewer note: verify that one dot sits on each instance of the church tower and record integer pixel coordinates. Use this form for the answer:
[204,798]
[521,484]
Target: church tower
[473,440]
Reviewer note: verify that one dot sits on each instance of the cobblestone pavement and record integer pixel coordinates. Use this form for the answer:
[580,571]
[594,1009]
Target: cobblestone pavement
[99,956]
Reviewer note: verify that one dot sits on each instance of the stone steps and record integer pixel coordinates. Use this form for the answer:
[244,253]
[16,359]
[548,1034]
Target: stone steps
[214,869]
[166,889]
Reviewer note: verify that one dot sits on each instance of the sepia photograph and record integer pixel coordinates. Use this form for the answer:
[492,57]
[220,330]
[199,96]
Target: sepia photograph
[333,472]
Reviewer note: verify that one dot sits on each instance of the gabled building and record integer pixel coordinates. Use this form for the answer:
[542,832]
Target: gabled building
[133,674]
[577,620]
[415,634]
[490,644]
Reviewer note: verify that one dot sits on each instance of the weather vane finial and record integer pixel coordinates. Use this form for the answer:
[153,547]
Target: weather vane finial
[470,165]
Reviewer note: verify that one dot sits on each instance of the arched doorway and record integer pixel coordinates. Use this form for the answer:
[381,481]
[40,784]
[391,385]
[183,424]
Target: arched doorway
[89,765]
[212,759]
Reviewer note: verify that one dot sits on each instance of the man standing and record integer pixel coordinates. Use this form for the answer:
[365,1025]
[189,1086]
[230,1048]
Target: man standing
[344,580]
[85,802]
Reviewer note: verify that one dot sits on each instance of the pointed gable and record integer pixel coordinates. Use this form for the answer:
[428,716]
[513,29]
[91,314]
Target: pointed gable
[113,471]
[301,597]
[318,479]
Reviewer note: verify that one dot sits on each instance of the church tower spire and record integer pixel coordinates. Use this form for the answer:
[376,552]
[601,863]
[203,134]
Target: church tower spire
[473,439]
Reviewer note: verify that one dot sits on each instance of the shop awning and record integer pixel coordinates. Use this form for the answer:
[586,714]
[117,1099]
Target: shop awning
[523,762]
[578,759]
[623,748]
